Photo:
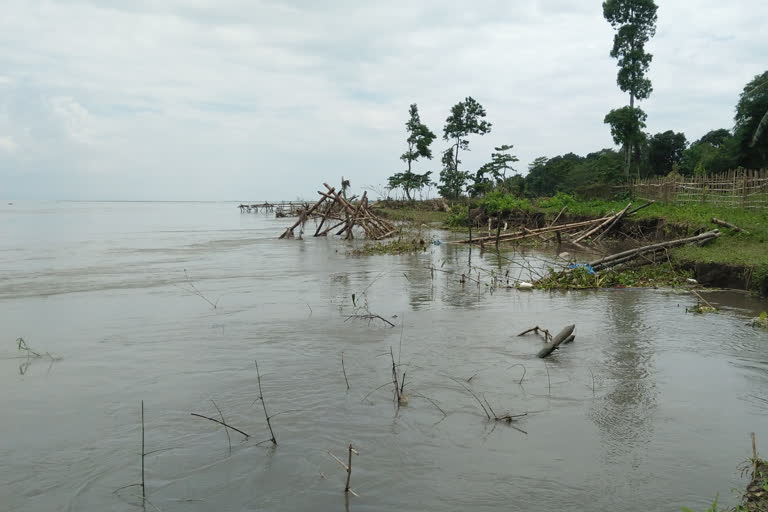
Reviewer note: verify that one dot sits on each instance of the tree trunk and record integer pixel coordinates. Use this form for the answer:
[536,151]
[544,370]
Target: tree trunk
[628,144]
[408,194]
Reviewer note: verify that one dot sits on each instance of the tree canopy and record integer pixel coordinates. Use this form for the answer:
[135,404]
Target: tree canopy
[751,130]
[635,24]
[419,140]
[466,118]
[665,151]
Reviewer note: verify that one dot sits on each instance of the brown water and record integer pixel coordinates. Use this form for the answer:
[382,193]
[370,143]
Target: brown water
[650,408]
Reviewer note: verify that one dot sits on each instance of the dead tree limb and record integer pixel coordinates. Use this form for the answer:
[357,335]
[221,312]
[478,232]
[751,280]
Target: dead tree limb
[734,227]
[264,405]
[547,335]
[556,341]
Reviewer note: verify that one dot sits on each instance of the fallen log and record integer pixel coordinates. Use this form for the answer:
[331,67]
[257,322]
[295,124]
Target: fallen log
[734,227]
[623,257]
[556,341]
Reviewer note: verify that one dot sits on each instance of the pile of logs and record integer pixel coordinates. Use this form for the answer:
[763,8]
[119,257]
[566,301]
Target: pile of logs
[574,231]
[335,211]
[648,250]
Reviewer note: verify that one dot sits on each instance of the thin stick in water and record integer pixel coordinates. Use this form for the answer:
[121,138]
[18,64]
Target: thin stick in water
[220,423]
[226,428]
[349,468]
[266,415]
[143,488]
[344,370]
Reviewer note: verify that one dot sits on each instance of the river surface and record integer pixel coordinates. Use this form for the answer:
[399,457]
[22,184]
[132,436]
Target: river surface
[649,409]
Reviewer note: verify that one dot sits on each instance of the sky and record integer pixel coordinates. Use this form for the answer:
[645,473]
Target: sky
[267,99]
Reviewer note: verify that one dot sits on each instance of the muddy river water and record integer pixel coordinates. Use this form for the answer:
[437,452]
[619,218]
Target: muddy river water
[649,409]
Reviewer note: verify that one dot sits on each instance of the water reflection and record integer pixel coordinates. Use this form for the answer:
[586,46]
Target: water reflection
[624,415]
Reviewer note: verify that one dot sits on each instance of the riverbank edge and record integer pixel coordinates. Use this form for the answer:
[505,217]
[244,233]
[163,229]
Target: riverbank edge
[751,277]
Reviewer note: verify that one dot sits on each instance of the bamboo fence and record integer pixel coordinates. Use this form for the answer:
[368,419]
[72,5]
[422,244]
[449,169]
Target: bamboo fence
[733,189]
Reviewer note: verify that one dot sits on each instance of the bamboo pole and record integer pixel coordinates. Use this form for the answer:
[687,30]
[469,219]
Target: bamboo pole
[533,232]
[612,224]
[613,259]
[603,224]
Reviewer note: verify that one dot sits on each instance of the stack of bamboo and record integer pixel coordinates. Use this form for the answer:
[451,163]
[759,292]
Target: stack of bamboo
[576,231]
[527,233]
[648,250]
[333,206]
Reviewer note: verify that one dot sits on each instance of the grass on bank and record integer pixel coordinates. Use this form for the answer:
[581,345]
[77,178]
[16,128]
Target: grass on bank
[414,215]
[731,248]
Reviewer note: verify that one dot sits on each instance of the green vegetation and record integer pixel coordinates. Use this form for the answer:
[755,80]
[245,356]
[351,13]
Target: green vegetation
[665,275]
[761,321]
[600,173]
[635,24]
[467,118]
[414,215]
[419,139]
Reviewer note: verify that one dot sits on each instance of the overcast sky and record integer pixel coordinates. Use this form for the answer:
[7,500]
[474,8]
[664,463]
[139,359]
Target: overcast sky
[266,99]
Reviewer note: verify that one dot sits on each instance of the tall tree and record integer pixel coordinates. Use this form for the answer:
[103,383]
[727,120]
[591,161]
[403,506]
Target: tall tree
[665,151]
[751,130]
[466,118]
[419,139]
[635,24]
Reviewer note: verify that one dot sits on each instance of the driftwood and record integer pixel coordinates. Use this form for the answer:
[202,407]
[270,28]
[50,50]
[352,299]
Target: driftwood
[333,205]
[625,256]
[547,335]
[734,227]
[556,341]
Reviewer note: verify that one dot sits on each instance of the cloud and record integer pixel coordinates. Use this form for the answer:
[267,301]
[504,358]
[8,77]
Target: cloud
[267,99]
[7,144]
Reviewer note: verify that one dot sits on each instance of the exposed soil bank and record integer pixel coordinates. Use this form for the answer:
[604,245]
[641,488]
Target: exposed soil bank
[643,230]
